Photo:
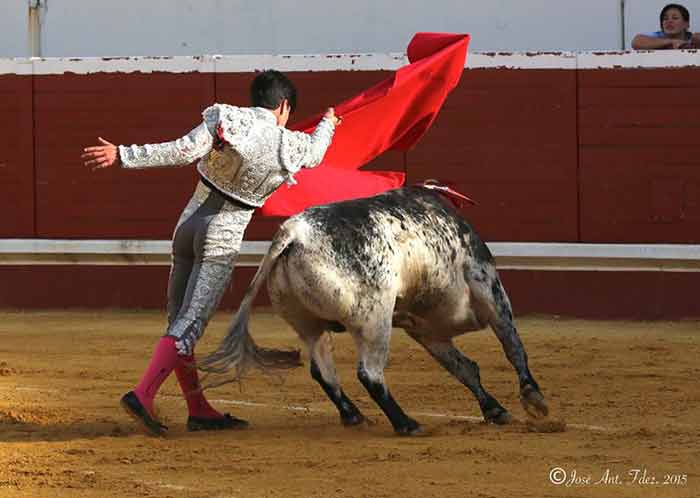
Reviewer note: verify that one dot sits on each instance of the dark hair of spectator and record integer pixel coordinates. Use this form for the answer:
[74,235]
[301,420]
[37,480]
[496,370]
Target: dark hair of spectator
[684,13]
[270,88]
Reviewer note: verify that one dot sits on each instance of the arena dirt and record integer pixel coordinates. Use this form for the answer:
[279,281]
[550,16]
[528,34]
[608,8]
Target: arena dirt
[624,399]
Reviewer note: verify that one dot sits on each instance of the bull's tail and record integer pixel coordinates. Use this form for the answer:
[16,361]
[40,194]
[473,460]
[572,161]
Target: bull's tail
[237,350]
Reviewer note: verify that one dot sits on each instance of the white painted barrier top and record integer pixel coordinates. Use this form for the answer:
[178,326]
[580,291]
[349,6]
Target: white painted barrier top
[346,62]
[509,255]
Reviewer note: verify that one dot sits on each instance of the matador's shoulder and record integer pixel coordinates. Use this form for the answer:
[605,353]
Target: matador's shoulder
[235,124]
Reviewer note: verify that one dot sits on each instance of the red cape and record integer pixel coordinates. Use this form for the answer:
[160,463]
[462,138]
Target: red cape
[392,115]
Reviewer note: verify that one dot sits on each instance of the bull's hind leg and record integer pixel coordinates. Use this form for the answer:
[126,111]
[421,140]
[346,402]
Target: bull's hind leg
[373,347]
[323,371]
[503,326]
[530,395]
[467,372]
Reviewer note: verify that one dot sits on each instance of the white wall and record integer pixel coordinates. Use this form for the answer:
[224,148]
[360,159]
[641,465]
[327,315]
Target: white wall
[642,16]
[81,28]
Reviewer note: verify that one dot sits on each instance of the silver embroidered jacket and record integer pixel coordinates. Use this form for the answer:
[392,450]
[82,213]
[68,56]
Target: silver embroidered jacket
[256,158]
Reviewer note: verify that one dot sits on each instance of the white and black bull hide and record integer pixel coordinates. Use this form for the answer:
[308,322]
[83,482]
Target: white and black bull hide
[404,258]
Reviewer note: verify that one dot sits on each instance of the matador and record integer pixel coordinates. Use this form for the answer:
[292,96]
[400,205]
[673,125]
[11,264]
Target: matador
[244,154]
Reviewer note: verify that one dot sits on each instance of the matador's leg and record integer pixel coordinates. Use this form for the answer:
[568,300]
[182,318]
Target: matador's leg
[216,245]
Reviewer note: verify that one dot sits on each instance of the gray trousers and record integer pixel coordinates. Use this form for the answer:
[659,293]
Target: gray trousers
[206,243]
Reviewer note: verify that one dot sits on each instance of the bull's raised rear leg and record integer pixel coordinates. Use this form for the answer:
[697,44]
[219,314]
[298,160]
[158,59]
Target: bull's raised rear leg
[466,371]
[373,347]
[323,371]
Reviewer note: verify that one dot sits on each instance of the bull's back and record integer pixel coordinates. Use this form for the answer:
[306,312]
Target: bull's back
[366,237]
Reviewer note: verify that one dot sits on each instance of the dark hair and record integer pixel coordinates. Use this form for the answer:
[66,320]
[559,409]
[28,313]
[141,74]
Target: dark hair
[684,13]
[270,88]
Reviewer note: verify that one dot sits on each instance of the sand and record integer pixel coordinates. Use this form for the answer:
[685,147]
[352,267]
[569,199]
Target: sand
[624,401]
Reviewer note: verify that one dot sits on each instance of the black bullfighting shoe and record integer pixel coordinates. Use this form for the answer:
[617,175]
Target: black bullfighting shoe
[138,412]
[227,422]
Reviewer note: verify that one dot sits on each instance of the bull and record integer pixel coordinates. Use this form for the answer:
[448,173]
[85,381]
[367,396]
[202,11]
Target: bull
[405,259]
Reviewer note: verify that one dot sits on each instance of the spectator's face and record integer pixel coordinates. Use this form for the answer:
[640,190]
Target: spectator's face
[673,22]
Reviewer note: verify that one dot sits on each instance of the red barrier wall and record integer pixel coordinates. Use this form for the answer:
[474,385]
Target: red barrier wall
[507,138]
[600,155]
[71,111]
[639,155]
[550,155]
[16,157]
[629,295]
[604,294]
[64,286]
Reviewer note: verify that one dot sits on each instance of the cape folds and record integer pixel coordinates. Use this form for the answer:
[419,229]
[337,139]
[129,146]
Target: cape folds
[392,115]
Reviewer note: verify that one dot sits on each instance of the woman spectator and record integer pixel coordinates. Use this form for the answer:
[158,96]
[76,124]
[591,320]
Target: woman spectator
[674,21]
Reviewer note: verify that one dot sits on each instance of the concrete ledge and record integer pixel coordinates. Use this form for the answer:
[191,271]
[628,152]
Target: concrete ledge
[221,64]
[509,255]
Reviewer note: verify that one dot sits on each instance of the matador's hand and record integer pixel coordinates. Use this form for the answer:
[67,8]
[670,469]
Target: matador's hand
[101,156]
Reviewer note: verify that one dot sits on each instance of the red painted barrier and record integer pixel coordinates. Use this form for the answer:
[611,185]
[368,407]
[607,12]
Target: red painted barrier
[16,157]
[507,138]
[594,155]
[65,286]
[71,111]
[604,294]
[639,155]
[538,149]
[620,295]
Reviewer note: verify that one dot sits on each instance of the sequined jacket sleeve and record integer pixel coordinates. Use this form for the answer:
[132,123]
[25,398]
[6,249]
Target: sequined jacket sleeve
[301,150]
[179,152]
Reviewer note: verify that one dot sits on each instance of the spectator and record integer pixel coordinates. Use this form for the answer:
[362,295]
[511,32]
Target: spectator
[674,21]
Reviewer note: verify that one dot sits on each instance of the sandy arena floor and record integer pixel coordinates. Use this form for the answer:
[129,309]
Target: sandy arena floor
[628,393]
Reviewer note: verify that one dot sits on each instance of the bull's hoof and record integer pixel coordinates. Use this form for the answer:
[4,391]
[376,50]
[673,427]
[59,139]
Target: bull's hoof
[499,416]
[533,402]
[412,428]
[353,420]
[494,413]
